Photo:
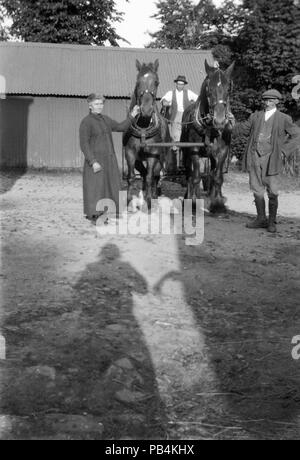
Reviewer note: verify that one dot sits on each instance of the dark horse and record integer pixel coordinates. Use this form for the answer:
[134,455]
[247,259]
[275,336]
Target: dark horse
[209,120]
[148,127]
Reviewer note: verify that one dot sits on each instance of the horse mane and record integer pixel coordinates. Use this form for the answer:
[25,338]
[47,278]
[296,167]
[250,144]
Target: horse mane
[204,106]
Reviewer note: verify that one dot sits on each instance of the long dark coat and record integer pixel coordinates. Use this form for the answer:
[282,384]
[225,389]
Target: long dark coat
[285,139]
[96,144]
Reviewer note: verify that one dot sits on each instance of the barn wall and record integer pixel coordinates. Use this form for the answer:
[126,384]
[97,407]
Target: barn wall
[43,131]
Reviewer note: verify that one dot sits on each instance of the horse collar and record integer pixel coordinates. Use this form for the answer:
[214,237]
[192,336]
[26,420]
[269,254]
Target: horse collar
[145,133]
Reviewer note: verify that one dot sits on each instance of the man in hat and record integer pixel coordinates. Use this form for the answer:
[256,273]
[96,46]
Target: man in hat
[271,133]
[101,177]
[177,101]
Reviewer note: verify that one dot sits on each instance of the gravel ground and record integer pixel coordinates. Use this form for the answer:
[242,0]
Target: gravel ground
[144,336]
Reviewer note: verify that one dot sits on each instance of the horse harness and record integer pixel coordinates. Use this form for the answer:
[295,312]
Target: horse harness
[146,133]
[155,123]
[218,101]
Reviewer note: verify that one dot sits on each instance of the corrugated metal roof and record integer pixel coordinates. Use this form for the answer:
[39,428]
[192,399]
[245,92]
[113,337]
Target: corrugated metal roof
[78,70]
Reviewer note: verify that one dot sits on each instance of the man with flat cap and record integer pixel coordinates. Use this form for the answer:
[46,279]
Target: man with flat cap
[271,133]
[101,177]
[176,102]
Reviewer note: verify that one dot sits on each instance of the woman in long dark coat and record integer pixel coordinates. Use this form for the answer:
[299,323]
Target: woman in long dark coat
[101,177]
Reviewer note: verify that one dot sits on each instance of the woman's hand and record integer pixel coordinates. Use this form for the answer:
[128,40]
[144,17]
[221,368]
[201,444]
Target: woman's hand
[165,103]
[96,167]
[135,111]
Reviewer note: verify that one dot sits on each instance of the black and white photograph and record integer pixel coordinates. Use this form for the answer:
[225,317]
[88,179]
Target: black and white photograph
[150,222]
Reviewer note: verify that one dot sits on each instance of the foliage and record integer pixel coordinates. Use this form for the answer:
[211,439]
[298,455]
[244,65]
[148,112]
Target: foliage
[186,26]
[267,56]
[64,21]
[268,47]
[175,17]
[262,37]
[3,29]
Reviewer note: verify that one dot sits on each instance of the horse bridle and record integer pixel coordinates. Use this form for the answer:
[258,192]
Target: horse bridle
[146,91]
[211,105]
[145,133]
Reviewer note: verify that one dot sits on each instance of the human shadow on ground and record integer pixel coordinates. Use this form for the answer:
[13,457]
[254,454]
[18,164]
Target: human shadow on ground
[81,353]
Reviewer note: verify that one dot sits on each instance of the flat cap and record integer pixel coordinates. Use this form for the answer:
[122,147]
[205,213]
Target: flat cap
[95,96]
[271,94]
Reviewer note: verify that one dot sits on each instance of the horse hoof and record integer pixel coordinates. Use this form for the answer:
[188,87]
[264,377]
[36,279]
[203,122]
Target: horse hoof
[218,208]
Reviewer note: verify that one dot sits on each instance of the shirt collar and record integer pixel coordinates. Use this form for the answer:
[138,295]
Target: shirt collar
[269,113]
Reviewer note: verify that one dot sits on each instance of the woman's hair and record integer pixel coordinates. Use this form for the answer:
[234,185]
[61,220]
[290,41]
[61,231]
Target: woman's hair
[93,97]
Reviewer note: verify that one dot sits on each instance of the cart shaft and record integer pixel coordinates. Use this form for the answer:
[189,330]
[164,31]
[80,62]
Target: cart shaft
[173,144]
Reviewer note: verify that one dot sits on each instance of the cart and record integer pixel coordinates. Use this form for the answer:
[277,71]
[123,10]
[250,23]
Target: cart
[179,175]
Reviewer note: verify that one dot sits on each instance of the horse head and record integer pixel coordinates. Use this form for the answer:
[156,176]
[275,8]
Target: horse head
[215,94]
[146,87]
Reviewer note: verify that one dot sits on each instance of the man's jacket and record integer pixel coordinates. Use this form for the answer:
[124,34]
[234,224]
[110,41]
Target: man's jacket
[285,139]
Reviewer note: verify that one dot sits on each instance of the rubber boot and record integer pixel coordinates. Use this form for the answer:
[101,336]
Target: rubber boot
[261,219]
[273,206]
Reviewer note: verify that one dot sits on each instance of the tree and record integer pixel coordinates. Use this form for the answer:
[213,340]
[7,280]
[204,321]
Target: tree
[267,47]
[176,17]
[267,55]
[217,27]
[262,37]
[64,21]
[3,28]
[203,26]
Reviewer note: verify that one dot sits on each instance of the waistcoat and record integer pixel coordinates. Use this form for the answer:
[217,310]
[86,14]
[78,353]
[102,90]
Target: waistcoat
[264,143]
[174,107]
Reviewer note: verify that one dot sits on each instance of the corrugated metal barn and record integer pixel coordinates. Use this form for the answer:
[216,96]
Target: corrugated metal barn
[43,88]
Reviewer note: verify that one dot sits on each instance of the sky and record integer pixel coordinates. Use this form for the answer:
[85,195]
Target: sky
[137,21]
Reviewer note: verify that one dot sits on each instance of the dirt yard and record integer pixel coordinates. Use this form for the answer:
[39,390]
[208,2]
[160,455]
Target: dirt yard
[146,337]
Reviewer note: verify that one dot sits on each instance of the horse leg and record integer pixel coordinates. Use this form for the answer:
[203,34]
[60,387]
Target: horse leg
[139,166]
[196,178]
[156,178]
[151,163]
[148,185]
[170,164]
[188,174]
[217,201]
[130,153]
